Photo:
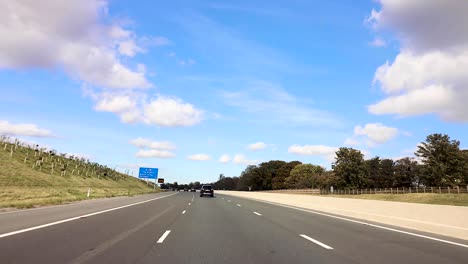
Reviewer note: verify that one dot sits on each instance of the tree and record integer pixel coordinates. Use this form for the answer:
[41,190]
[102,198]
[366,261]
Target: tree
[349,165]
[278,182]
[443,161]
[304,176]
[406,173]
[373,172]
[386,174]
[196,185]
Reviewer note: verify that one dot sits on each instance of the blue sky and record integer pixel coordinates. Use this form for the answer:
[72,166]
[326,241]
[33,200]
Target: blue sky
[178,85]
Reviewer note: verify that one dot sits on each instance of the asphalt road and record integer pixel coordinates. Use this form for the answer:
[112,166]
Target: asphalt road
[184,228]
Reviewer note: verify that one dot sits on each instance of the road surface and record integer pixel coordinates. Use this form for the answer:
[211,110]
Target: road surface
[184,228]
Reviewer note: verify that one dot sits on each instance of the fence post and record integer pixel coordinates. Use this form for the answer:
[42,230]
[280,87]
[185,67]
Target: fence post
[424,189]
[397,190]
[432,189]
[440,191]
[458,189]
[409,189]
[448,189]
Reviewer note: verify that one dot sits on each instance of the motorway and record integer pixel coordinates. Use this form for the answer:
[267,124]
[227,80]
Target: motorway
[182,227]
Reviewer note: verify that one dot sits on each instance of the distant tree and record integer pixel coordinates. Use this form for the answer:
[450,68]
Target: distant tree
[304,176]
[349,165]
[221,176]
[373,172]
[197,185]
[406,173]
[278,182]
[190,185]
[175,185]
[386,174]
[443,161]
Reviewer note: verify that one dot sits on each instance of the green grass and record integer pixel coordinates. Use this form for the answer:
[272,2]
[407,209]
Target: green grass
[424,198]
[22,186]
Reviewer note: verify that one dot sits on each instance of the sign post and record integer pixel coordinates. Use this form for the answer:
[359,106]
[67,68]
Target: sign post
[148,173]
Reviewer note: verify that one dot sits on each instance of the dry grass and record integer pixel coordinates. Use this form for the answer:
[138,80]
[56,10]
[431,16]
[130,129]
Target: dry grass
[21,186]
[424,198]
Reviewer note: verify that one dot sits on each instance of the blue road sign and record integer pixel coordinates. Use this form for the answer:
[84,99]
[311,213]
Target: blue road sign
[148,173]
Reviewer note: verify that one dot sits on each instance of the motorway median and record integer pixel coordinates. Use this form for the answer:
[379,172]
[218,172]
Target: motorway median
[439,219]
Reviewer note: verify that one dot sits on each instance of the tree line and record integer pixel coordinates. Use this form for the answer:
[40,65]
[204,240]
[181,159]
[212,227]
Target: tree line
[439,162]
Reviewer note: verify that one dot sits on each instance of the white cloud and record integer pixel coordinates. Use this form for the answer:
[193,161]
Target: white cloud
[148,143]
[69,35]
[154,153]
[351,142]
[30,130]
[129,48]
[378,42]
[241,159]
[428,75]
[224,158]
[199,157]
[257,146]
[133,107]
[115,103]
[188,62]
[171,112]
[312,150]
[376,133]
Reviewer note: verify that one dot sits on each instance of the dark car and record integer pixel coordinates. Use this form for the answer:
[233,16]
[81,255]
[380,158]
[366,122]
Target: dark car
[206,190]
[193,190]
[185,190]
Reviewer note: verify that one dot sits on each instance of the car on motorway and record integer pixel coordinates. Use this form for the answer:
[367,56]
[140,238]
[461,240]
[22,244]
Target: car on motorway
[206,190]
[193,190]
[185,190]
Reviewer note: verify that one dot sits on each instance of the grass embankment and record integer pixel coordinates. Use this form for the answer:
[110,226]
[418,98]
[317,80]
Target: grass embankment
[24,185]
[424,198]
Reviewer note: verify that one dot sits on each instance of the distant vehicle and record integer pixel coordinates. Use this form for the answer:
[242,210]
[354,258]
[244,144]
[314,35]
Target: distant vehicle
[206,190]
[185,190]
[193,190]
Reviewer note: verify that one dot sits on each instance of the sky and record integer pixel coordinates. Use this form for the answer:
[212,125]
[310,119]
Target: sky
[202,88]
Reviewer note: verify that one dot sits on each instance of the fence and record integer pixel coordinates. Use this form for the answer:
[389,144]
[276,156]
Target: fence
[397,190]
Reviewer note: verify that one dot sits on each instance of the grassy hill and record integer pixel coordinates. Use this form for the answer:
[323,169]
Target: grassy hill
[31,176]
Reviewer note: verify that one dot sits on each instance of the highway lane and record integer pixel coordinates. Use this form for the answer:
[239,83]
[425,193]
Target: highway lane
[19,219]
[184,228]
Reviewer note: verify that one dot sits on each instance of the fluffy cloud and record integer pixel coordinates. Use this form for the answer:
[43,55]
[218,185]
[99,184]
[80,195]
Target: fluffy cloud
[199,157]
[148,143]
[30,130]
[257,146]
[428,75]
[241,159]
[69,35]
[133,107]
[376,133]
[312,150]
[171,112]
[154,153]
[224,158]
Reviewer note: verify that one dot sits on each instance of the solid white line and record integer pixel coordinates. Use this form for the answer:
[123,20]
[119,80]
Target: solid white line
[365,223]
[257,213]
[77,217]
[316,242]
[161,239]
[239,205]
[183,212]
